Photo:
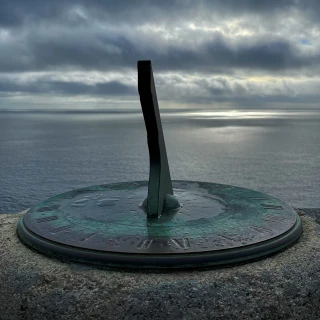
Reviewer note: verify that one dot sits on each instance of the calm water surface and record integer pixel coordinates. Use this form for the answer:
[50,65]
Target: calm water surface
[44,154]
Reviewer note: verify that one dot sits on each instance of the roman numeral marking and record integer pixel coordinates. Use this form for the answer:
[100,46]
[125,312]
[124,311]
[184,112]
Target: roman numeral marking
[51,208]
[87,237]
[271,206]
[225,237]
[57,230]
[145,244]
[260,229]
[181,244]
[114,242]
[45,219]
[202,243]
[273,218]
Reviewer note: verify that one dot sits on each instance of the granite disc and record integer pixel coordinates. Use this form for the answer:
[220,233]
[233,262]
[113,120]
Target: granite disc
[106,225]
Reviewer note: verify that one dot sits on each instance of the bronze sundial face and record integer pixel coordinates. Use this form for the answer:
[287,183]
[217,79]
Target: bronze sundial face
[215,224]
[179,224]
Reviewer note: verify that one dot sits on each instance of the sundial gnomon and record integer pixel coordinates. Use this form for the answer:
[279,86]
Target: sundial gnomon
[159,223]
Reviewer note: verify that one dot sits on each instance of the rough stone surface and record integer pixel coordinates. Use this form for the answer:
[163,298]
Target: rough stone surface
[283,286]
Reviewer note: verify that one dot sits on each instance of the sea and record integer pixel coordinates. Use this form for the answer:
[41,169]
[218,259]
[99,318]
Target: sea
[45,153]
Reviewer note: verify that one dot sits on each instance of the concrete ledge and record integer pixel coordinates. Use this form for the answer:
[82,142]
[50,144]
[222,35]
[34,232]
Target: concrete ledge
[283,286]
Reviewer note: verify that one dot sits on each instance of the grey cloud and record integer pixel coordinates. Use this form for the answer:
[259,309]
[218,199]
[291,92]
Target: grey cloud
[69,88]
[16,12]
[90,50]
[257,101]
[68,39]
[105,36]
[239,92]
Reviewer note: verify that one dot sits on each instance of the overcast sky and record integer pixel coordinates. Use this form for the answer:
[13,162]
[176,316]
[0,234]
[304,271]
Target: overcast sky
[206,54]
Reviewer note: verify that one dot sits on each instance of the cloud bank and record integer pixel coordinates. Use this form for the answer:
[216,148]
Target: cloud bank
[213,53]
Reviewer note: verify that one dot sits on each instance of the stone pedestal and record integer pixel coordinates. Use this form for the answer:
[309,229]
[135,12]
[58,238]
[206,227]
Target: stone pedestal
[283,286]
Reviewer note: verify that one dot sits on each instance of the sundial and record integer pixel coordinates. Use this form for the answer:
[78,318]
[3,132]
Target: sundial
[159,223]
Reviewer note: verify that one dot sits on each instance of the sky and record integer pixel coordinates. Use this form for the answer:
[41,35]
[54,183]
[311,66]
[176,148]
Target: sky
[82,54]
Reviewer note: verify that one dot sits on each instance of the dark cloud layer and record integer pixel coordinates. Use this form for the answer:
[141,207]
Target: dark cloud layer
[104,53]
[59,42]
[74,88]
[17,12]
[207,37]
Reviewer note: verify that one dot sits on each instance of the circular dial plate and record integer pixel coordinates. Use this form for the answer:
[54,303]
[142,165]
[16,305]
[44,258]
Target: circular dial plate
[109,218]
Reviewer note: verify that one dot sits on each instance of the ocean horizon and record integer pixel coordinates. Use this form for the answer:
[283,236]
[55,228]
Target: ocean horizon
[47,152]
